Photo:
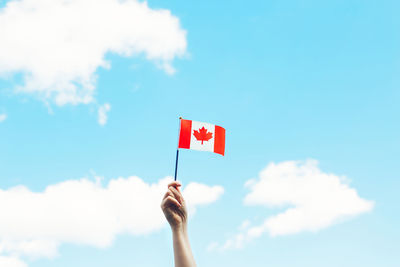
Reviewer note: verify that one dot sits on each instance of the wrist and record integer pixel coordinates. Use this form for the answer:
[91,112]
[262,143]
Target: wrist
[179,228]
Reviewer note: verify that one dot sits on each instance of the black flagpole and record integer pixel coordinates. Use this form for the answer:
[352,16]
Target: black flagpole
[177,150]
[176,163]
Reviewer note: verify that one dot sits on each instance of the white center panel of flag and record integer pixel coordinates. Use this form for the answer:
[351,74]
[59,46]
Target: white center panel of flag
[201,142]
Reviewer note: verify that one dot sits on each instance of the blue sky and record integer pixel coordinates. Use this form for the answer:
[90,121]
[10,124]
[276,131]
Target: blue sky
[289,80]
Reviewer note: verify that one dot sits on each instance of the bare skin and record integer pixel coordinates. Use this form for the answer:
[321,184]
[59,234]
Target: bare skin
[174,208]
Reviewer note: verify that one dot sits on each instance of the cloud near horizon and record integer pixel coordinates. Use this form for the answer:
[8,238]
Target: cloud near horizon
[85,212]
[315,200]
[59,45]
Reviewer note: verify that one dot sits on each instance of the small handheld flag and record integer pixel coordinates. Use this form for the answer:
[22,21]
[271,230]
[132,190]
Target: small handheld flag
[200,136]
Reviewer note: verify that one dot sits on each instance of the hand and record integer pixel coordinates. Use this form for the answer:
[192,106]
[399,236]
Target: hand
[173,206]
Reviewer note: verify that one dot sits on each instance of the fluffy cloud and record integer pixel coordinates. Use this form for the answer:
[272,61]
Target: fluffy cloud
[315,200]
[34,224]
[11,262]
[58,45]
[102,114]
[196,193]
[3,117]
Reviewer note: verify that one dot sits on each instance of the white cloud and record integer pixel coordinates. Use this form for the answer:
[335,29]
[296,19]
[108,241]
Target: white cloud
[58,45]
[195,193]
[3,117]
[102,113]
[11,262]
[34,224]
[314,200]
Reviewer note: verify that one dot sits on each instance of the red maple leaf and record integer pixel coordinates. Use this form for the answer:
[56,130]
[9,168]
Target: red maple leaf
[202,135]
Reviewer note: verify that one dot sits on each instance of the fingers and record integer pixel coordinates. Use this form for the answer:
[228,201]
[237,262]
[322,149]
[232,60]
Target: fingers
[175,184]
[168,193]
[169,200]
[173,195]
[177,194]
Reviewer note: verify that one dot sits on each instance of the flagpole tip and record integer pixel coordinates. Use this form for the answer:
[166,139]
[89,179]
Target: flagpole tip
[180,118]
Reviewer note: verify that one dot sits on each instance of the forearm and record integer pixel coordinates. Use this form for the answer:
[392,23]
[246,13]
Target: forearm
[182,251]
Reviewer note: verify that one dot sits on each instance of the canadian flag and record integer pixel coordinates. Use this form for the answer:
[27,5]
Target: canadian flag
[202,136]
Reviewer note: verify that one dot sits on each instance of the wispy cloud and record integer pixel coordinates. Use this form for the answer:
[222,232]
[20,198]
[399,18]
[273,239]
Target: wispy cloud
[102,114]
[58,45]
[84,211]
[315,200]
[3,117]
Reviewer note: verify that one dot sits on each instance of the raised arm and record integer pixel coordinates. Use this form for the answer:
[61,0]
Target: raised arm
[174,208]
